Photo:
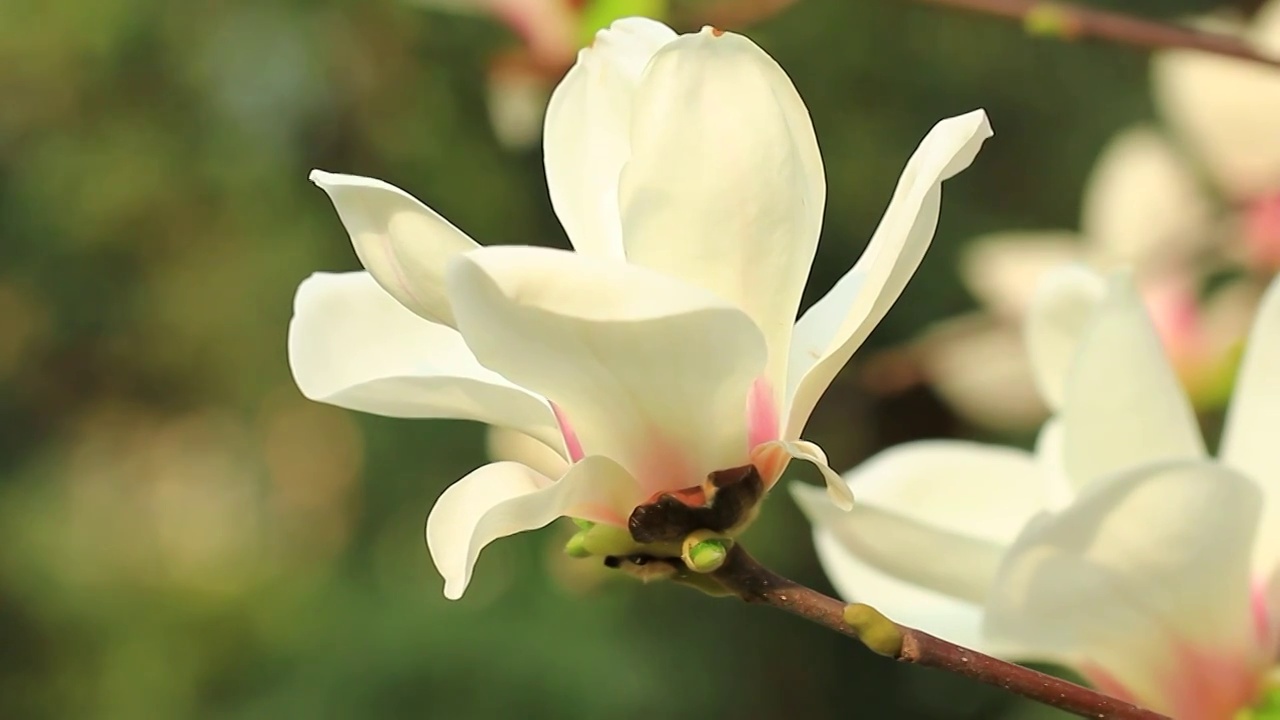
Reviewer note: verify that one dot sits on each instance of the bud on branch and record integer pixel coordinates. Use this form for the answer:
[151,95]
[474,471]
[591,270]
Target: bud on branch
[1072,22]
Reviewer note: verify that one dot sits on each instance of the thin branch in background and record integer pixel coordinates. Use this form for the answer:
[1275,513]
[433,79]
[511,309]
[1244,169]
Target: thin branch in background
[1071,22]
[754,583]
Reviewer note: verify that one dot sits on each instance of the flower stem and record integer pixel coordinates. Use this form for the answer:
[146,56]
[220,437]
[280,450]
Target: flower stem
[748,579]
[1068,21]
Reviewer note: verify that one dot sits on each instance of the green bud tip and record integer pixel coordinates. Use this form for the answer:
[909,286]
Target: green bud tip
[1049,20]
[704,552]
[874,629]
[577,546]
[584,524]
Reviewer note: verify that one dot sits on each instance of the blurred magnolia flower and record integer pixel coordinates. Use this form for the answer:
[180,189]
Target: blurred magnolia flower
[551,31]
[1225,111]
[1143,209]
[686,173]
[1119,548]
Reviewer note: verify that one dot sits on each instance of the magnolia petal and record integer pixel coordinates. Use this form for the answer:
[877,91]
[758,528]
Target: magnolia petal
[404,244]
[1124,406]
[958,621]
[1224,108]
[506,498]
[1249,439]
[725,187]
[506,444]
[977,364]
[587,131]
[1143,205]
[1064,303]
[830,331]
[352,345]
[1003,270]
[935,514]
[647,370]
[1058,489]
[1142,580]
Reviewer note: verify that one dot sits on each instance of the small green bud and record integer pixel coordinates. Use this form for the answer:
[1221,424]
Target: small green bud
[584,524]
[704,551]
[577,546]
[874,629]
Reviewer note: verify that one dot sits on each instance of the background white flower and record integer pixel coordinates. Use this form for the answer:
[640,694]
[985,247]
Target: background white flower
[1119,547]
[687,176]
[1146,205]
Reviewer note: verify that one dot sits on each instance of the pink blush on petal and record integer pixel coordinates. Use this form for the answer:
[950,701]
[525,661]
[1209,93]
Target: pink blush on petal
[664,467]
[1262,232]
[1200,684]
[762,414]
[571,442]
[1263,623]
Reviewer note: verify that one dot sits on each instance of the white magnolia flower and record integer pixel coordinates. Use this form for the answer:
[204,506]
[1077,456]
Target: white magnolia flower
[1119,548]
[686,173]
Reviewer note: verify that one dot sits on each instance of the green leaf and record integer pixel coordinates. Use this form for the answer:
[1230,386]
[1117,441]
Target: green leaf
[599,14]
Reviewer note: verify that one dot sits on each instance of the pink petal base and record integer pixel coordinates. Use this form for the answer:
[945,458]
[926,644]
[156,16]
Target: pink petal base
[1201,685]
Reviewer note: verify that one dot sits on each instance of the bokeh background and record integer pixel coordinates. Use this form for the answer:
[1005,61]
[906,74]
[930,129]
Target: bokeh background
[182,535]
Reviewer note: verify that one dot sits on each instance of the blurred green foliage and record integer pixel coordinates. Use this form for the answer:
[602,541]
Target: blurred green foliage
[183,536]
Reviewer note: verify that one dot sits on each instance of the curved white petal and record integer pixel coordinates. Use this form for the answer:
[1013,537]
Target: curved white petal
[1144,581]
[506,444]
[1124,405]
[1002,270]
[1143,205]
[587,131]
[1251,437]
[935,515]
[404,244]
[1225,108]
[830,331]
[1064,304]
[647,370]
[506,498]
[837,489]
[725,188]
[352,345]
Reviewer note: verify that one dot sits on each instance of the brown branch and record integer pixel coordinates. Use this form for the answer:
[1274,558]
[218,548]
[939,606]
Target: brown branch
[1076,22]
[754,583]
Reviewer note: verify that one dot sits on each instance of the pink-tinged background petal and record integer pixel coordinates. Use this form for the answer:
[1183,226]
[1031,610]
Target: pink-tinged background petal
[1143,581]
[1124,406]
